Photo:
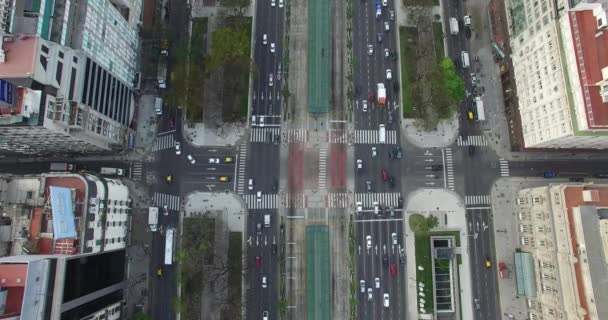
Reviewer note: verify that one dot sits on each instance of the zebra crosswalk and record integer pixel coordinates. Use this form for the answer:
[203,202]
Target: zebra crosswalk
[137,170]
[480,141]
[267,201]
[264,134]
[161,199]
[390,199]
[240,183]
[373,137]
[477,200]
[296,136]
[504,167]
[338,136]
[449,162]
[163,142]
[322,168]
[338,200]
[295,200]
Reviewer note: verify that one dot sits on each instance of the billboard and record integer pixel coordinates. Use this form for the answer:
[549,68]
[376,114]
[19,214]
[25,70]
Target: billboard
[63,213]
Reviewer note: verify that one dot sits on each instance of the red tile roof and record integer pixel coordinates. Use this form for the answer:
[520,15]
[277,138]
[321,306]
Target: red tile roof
[591,51]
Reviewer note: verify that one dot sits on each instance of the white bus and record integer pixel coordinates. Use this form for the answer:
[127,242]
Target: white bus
[169,238]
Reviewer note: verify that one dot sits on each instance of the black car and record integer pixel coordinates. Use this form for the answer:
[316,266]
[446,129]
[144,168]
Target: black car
[391,182]
[400,202]
[471,150]
[274,248]
[385,261]
[435,167]
[379,37]
[275,185]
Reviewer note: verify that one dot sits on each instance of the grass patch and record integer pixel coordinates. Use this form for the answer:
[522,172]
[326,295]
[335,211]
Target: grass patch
[438,41]
[196,72]
[407,39]
[235,250]
[424,259]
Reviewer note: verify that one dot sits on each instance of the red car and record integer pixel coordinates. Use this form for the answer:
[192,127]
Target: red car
[393,270]
[384,175]
[258,262]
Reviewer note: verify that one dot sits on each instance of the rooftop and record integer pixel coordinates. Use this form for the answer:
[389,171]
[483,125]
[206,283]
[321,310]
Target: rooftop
[19,56]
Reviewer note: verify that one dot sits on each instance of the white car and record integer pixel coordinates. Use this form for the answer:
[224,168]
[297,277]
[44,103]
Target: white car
[191,159]
[265,313]
[178,148]
[359,164]
[165,209]
[368,239]
[265,39]
[364,105]
[264,282]
[250,185]
[377,282]
[376,207]
[467,21]
[392,15]
[384,3]
[394,236]
[214,160]
[387,27]
[374,154]
[273,3]
[362,285]
[370,50]
[387,53]
[270,77]
[261,121]
[370,294]
[359,206]
[281,3]
[272,47]
[386,301]
[389,74]
[259,196]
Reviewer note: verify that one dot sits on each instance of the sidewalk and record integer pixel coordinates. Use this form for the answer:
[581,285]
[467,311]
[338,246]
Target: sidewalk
[447,206]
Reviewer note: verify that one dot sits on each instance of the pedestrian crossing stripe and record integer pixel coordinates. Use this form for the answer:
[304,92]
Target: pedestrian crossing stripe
[163,142]
[373,137]
[267,201]
[480,141]
[504,167]
[390,199]
[322,168]
[339,200]
[161,199]
[137,169]
[449,162]
[477,200]
[296,136]
[240,185]
[295,200]
[261,134]
[337,136]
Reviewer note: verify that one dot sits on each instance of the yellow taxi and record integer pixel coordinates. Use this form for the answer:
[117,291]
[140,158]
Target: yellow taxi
[470,115]
[228,160]
[224,178]
[169,179]
[488,264]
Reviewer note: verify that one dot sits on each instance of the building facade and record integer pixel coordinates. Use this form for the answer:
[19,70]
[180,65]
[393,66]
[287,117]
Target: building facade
[54,99]
[564,228]
[560,66]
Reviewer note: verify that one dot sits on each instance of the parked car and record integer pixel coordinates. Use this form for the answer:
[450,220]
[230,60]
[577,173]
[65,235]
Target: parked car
[549,174]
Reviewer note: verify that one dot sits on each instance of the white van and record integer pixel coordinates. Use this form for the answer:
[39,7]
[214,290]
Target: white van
[158,106]
[465,59]
[382,134]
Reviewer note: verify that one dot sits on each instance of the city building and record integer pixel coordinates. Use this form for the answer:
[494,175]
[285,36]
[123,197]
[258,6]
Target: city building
[5,11]
[562,263]
[105,30]
[54,99]
[62,213]
[53,287]
[560,59]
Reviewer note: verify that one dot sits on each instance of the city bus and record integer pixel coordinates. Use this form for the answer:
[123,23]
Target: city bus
[169,242]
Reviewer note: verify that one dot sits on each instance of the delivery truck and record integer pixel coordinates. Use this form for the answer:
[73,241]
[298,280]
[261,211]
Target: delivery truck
[158,106]
[381,94]
[382,133]
[481,114]
[112,171]
[153,218]
[266,221]
[453,26]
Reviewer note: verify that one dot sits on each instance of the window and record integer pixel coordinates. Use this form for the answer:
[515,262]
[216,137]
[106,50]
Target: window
[43,61]
[45,49]
[58,72]
[60,54]
[75,59]
[29,195]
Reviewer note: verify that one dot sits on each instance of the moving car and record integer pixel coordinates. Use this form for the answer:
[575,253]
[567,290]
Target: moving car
[379,37]
[385,300]
[178,148]
[374,154]
[488,263]
[393,269]
[384,174]
[391,182]
[387,27]
[264,282]
[389,74]
[169,178]
[228,160]
[359,164]
[250,184]
[377,282]
[273,3]
[368,240]
[368,186]
[362,285]
[270,80]
[272,50]
[259,196]
[376,207]
[391,15]
[395,153]
[359,206]
[384,3]
[224,178]
[281,3]
[370,294]
[265,39]
[191,159]
[214,160]
[364,105]
[370,50]
[549,174]
[258,262]
[385,261]
[265,313]
[394,237]
[470,115]
[387,54]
